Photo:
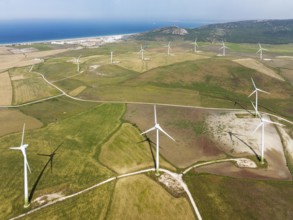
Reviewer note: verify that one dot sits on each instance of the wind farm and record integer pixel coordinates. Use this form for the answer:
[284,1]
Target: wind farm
[111,130]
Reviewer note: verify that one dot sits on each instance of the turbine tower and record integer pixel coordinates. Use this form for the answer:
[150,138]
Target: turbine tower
[158,128]
[195,46]
[141,52]
[111,58]
[77,62]
[256,90]
[169,48]
[262,125]
[223,48]
[260,51]
[22,148]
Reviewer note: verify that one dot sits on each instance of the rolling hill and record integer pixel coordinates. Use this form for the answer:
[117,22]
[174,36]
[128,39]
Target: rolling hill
[254,31]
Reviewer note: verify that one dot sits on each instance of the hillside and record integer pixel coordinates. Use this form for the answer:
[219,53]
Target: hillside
[265,31]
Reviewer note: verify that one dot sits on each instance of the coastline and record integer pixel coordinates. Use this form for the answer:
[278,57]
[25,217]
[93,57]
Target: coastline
[77,40]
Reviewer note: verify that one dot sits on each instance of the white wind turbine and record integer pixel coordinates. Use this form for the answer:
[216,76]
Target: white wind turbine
[111,57]
[256,90]
[262,125]
[260,51]
[22,148]
[77,62]
[158,128]
[141,52]
[169,48]
[224,48]
[195,46]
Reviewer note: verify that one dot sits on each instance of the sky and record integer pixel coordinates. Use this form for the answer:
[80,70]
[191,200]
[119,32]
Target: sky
[153,10]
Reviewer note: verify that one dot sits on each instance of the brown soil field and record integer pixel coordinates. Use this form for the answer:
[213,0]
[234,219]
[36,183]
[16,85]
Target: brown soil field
[235,138]
[258,66]
[139,197]
[4,50]
[185,125]
[5,89]
[11,121]
[8,61]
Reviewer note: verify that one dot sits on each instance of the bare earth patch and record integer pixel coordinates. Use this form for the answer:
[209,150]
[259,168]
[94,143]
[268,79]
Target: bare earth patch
[171,183]
[11,121]
[48,198]
[5,89]
[185,125]
[234,134]
[8,61]
[258,66]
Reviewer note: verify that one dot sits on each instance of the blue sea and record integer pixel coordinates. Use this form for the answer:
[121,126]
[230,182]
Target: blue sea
[20,31]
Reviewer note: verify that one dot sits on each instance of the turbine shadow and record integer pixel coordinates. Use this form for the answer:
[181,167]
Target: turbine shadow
[37,181]
[150,142]
[231,134]
[42,172]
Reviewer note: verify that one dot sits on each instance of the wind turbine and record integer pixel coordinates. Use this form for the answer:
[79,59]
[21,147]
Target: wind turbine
[195,46]
[51,156]
[31,68]
[169,48]
[262,125]
[158,128]
[224,48]
[141,51]
[111,58]
[260,51]
[22,148]
[77,61]
[256,90]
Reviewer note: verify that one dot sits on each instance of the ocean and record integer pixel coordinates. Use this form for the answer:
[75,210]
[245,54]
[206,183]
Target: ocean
[21,31]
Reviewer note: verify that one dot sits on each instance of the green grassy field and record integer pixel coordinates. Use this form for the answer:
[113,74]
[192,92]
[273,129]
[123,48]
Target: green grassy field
[127,151]
[227,198]
[98,142]
[76,164]
[139,197]
[29,86]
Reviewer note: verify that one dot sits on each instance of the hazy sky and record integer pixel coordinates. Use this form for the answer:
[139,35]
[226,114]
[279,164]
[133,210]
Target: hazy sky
[170,10]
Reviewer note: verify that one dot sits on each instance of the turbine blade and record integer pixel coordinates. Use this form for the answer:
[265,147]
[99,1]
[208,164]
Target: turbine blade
[252,93]
[15,148]
[155,112]
[260,124]
[52,165]
[147,131]
[161,129]
[253,83]
[263,91]
[271,122]
[57,147]
[47,155]
[27,164]
[22,138]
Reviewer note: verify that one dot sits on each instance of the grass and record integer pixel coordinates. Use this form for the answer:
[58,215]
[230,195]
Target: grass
[29,86]
[228,198]
[55,110]
[75,164]
[128,144]
[139,197]
[56,69]
[90,205]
